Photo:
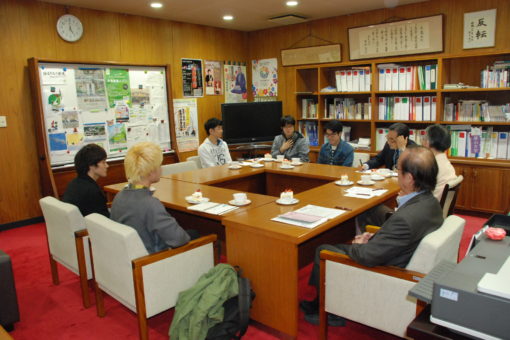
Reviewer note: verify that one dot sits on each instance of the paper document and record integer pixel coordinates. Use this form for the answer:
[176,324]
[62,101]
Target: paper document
[365,193]
[213,208]
[313,213]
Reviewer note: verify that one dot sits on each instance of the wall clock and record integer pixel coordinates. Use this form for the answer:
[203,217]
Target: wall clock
[69,28]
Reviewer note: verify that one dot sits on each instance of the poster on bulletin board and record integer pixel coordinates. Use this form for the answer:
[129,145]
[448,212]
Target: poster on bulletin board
[112,106]
[265,77]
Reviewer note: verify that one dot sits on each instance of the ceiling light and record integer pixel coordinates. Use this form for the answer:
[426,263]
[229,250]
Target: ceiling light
[156,4]
[292,3]
[228,17]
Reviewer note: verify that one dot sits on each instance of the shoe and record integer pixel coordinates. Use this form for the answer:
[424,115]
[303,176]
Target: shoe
[309,307]
[333,320]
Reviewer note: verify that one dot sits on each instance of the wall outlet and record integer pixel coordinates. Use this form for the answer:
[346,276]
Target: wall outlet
[3,121]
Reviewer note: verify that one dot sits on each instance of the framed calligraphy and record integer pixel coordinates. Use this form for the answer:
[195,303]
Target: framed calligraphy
[479,29]
[412,36]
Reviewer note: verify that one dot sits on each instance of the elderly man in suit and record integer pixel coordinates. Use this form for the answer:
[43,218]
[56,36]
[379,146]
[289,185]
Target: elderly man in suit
[418,214]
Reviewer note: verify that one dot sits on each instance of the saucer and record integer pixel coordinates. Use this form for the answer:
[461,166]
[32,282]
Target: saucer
[297,164]
[293,201]
[344,184]
[256,165]
[377,177]
[278,160]
[192,200]
[233,202]
[235,167]
[268,159]
[286,166]
[367,183]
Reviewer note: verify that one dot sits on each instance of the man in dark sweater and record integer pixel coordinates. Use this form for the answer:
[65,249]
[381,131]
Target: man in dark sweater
[83,191]
[397,141]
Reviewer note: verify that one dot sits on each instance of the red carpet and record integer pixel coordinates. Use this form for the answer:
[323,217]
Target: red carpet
[56,312]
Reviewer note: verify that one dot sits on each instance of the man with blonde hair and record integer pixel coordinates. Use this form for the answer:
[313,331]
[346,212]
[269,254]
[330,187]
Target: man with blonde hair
[136,207]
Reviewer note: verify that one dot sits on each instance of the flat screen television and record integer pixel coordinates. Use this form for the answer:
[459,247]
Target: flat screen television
[251,122]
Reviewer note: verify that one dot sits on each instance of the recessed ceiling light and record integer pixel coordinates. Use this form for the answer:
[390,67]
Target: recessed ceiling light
[228,17]
[292,3]
[156,4]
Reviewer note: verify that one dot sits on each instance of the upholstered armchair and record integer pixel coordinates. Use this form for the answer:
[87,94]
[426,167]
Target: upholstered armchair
[378,296]
[67,241]
[148,284]
[449,196]
[175,168]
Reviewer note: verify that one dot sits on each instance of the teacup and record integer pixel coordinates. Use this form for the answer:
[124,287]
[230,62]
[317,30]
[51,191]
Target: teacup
[240,198]
[280,158]
[384,172]
[295,160]
[366,179]
[344,179]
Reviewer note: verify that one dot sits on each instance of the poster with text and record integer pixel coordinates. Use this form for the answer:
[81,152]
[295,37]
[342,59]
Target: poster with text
[213,77]
[265,77]
[192,84]
[90,89]
[235,84]
[186,124]
[117,85]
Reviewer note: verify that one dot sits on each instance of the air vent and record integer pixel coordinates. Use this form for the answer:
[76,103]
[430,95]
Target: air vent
[288,19]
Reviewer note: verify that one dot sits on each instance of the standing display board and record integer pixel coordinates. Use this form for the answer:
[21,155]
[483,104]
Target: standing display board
[112,105]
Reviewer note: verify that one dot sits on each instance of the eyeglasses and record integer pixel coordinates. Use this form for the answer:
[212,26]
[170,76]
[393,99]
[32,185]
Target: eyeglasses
[330,134]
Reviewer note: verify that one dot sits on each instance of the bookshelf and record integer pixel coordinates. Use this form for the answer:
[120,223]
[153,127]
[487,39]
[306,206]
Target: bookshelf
[423,100]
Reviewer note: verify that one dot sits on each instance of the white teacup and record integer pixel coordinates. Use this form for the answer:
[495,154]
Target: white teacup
[366,179]
[280,158]
[344,179]
[295,160]
[240,198]
[383,171]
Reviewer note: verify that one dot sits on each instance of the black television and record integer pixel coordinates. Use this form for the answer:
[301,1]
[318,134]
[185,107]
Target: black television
[251,122]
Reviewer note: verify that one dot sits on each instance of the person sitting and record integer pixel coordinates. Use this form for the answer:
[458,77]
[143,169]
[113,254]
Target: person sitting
[335,151]
[418,214]
[290,143]
[397,141]
[83,191]
[214,151]
[438,140]
[135,205]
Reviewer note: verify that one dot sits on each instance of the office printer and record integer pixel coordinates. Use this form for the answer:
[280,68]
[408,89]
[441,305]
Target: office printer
[473,297]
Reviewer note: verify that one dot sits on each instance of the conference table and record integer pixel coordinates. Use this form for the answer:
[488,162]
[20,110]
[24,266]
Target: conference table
[269,252]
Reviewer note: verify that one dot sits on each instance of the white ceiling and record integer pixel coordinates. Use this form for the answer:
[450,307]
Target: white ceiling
[249,15]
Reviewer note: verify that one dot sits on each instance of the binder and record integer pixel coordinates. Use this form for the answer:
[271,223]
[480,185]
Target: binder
[380,138]
[382,82]
[433,108]
[368,81]
[394,79]
[433,76]
[405,109]
[427,77]
[494,144]
[398,108]
[402,82]
[338,81]
[502,145]
[419,108]
[343,80]
[382,107]
[461,144]
[349,81]
[409,78]
[387,79]
[361,74]
[426,108]
[412,135]
[355,81]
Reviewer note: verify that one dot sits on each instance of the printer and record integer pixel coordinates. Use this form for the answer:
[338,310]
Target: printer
[473,296]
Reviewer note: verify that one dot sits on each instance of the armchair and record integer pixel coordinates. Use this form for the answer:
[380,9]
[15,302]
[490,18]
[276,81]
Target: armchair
[67,241]
[147,284]
[377,296]
[175,168]
[449,196]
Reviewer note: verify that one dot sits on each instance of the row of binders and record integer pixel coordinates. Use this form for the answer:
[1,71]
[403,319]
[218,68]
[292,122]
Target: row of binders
[308,108]
[407,108]
[475,111]
[347,108]
[393,77]
[415,135]
[471,141]
[353,80]
[496,75]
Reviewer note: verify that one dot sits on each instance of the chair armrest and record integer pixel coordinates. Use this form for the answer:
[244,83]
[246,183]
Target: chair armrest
[398,272]
[81,233]
[148,259]
[372,228]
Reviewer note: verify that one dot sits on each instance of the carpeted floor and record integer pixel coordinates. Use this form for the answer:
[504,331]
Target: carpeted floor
[56,312]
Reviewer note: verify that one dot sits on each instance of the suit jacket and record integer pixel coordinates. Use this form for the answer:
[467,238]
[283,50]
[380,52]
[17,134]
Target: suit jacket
[385,157]
[398,238]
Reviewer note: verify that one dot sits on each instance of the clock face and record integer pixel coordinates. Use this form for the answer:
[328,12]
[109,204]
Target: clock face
[69,28]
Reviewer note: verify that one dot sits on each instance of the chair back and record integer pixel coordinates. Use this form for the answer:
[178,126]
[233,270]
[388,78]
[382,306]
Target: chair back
[441,244]
[195,159]
[449,196]
[360,156]
[114,245]
[175,168]
[62,220]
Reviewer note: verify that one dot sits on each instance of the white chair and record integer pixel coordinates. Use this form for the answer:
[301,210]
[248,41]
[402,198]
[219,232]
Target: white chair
[67,241]
[146,284]
[378,296]
[175,168]
[360,157]
[195,159]
[449,196]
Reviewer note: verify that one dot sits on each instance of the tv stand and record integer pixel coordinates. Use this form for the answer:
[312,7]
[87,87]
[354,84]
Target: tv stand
[248,150]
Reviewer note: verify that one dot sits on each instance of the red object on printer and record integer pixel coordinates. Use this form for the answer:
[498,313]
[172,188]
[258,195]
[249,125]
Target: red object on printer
[495,233]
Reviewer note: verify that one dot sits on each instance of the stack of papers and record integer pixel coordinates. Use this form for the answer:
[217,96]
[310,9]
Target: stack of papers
[308,216]
[213,208]
[365,193]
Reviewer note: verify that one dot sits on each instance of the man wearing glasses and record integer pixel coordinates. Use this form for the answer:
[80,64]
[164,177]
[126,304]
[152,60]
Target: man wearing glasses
[336,151]
[397,141]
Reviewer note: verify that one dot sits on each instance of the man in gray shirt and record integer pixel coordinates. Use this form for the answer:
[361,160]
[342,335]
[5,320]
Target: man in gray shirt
[135,206]
[290,143]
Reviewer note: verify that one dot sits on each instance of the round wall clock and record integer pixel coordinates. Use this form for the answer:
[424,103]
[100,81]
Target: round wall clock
[69,28]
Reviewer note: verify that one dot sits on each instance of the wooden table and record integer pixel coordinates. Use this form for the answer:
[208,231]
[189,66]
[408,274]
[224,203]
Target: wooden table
[269,252]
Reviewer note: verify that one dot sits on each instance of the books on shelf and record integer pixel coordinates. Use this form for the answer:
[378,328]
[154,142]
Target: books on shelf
[380,136]
[496,75]
[347,108]
[310,131]
[357,79]
[308,108]
[478,142]
[394,77]
[475,111]
[415,108]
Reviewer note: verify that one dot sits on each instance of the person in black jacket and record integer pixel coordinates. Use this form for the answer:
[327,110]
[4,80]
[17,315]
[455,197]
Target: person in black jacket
[83,191]
[397,141]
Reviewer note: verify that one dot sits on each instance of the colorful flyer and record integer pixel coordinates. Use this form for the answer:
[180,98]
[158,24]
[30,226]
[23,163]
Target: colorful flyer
[117,86]
[265,77]
[192,84]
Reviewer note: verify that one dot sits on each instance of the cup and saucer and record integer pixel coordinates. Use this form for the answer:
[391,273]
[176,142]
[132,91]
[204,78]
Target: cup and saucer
[287,201]
[296,162]
[377,177]
[256,165]
[240,199]
[370,182]
[234,166]
[344,183]
[286,166]
[193,200]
